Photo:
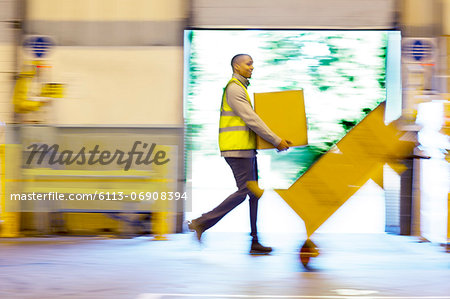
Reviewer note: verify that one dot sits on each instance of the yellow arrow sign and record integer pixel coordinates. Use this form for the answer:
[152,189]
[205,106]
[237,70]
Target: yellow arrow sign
[337,175]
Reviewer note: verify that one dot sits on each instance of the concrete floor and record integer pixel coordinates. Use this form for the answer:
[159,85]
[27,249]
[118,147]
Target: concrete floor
[350,266]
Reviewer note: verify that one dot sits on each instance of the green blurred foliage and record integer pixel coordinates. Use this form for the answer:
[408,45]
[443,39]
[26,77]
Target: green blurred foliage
[342,75]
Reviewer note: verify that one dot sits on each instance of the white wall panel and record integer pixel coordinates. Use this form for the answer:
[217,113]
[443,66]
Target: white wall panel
[119,86]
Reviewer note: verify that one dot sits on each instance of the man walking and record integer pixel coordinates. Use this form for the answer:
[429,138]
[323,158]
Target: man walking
[239,125]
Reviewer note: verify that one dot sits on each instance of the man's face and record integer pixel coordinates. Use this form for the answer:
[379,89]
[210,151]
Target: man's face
[244,66]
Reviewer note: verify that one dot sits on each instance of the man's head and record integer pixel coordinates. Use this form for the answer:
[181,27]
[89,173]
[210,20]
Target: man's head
[242,64]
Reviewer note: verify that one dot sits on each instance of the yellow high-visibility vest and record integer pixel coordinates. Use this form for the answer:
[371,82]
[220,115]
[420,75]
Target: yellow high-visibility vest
[233,132]
[21,101]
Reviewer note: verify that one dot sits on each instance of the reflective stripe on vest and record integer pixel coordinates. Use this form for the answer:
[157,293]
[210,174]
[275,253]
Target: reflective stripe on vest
[233,132]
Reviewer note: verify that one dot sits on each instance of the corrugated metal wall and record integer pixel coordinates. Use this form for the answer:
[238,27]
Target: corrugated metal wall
[7,57]
[293,13]
[108,23]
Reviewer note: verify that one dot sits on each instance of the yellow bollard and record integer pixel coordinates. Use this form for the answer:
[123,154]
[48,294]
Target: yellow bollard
[162,206]
[160,225]
[10,225]
[9,221]
[448,222]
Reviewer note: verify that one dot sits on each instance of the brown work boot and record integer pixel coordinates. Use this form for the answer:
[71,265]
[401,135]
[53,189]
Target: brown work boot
[197,228]
[257,248]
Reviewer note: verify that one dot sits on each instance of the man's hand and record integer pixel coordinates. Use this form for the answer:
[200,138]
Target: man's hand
[284,145]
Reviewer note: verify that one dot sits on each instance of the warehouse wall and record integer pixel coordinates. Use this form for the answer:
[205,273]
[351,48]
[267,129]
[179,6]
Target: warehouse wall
[156,27]
[122,60]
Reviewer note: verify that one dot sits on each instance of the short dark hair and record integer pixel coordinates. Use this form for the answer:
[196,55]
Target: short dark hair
[236,57]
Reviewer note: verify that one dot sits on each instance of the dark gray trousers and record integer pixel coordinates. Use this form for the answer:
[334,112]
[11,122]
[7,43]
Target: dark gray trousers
[244,170]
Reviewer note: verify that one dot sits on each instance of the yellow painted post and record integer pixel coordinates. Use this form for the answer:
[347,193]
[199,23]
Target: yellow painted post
[9,221]
[160,225]
[448,222]
[161,210]
[3,185]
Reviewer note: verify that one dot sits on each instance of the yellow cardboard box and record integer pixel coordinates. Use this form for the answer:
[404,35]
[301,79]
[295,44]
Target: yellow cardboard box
[284,113]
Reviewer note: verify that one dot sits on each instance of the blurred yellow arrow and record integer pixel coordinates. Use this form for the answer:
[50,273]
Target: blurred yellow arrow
[338,174]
